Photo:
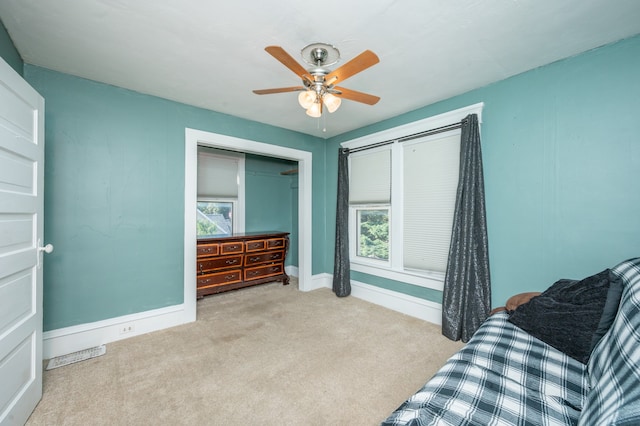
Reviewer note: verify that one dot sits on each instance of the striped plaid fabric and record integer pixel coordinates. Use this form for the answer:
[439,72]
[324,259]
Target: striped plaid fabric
[503,376]
[614,366]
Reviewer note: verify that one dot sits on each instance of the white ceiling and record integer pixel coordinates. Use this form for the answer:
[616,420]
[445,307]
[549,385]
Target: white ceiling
[211,53]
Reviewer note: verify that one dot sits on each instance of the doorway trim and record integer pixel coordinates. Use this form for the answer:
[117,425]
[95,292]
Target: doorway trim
[193,138]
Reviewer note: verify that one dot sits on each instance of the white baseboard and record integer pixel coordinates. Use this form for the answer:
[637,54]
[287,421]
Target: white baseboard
[76,338]
[292,271]
[400,302]
[319,281]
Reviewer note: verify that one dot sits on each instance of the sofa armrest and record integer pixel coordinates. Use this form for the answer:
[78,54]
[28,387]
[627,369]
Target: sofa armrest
[498,309]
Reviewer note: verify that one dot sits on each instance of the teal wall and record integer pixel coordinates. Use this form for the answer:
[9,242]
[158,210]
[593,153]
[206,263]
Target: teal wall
[8,51]
[561,154]
[561,166]
[114,195]
[270,201]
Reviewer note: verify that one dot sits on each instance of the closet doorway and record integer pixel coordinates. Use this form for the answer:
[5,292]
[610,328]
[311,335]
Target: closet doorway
[193,138]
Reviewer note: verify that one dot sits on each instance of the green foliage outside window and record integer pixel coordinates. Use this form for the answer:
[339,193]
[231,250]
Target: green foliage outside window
[374,234]
[215,208]
[206,228]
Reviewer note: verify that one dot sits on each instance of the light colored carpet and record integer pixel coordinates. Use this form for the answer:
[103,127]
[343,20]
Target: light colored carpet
[266,355]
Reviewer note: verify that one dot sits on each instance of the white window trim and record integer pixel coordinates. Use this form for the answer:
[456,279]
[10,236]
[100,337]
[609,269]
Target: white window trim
[423,125]
[432,280]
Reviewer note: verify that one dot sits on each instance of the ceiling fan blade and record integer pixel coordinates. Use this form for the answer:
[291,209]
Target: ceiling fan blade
[354,95]
[278,90]
[286,60]
[354,66]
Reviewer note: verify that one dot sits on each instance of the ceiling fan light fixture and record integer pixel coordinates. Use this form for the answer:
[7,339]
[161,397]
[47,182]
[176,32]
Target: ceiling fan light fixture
[332,102]
[315,110]
[307,98]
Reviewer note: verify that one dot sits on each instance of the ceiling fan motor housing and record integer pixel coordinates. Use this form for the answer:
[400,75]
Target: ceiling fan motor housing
[319,55]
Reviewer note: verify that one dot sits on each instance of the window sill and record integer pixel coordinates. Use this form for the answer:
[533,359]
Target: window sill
[432,280]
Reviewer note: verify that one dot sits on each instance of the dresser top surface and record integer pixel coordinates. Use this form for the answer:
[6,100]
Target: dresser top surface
[242,235]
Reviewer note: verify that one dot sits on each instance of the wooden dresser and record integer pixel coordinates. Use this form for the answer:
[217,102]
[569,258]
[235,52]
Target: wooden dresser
[240,260]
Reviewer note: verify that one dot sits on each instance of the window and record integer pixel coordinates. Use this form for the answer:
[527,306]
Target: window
[215,217]
[402,199]
[220,192]
[373,233]
[370,198]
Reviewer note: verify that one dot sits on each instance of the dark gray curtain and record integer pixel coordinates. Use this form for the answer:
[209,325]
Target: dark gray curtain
[466,298]
[341,271]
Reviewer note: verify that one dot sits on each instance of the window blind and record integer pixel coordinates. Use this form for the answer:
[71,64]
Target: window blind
[217,176]
[370,177]
[430,180]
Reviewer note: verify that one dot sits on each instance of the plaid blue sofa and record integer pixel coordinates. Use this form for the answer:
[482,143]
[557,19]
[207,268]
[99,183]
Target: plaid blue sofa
[504,376]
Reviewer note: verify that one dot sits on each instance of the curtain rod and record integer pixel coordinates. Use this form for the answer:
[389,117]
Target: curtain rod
[435,131]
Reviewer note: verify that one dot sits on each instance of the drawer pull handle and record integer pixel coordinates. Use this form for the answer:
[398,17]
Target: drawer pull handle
[275,256]
[273,269]
[206,281]
[200,267]
[229,277]
[254,259]
[231,261]
[252,273]
[276,243]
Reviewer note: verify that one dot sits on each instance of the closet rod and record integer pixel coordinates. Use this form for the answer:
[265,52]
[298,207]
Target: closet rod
[410,137]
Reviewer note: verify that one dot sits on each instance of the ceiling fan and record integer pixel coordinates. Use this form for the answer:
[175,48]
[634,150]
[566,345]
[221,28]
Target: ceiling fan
[319,83]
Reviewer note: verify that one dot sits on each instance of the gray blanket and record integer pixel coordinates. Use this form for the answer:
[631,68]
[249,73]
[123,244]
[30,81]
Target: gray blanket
[566,316]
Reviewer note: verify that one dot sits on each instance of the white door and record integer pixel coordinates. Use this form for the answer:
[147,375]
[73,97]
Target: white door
[21,225]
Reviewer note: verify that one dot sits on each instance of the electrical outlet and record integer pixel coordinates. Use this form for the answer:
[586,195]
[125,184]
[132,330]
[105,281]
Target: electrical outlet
[127,328]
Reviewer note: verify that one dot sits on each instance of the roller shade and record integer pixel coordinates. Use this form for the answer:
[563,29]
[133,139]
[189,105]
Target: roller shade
[370,177]
[217,176]
[430,176]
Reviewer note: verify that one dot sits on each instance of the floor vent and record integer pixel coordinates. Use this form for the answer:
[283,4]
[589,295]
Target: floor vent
[71,358]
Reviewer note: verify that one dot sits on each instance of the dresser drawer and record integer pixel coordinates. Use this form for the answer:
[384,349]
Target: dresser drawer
[275,243]
[218,278]
[205,265]
[229,248]
[262,271]
[205,250]
[272,256]
[255,245]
